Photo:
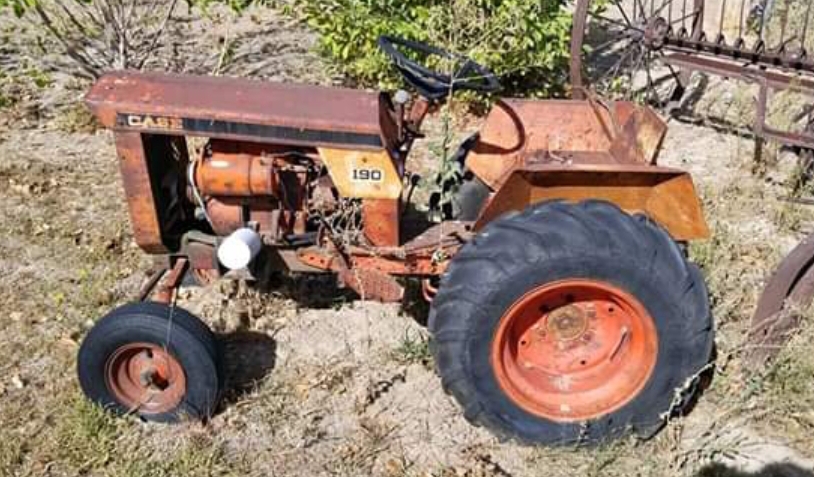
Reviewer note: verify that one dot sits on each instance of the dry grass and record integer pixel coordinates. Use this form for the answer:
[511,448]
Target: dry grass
[785,390]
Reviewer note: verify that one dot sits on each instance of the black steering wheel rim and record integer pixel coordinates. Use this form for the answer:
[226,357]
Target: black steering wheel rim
[432,84]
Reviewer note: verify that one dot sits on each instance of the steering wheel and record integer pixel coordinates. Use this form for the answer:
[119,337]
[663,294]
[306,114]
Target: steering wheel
[434,85]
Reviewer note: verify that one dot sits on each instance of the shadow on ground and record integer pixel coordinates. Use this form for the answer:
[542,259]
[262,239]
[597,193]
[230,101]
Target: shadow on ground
[322,291]
[772,470]
[248,357]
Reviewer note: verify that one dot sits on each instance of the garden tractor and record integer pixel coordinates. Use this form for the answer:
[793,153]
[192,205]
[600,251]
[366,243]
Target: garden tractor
[563,307]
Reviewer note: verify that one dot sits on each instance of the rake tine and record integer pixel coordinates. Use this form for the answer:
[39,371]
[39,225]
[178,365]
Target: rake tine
[721,21]
[784,21]
[698,22]
[762,23]
[804,35]
[615,22]
[740,23]
[669,5]
[622,11]
[685,17]
[664,3]
[640,4]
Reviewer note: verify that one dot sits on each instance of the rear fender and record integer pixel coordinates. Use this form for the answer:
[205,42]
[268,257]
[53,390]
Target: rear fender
[665,195]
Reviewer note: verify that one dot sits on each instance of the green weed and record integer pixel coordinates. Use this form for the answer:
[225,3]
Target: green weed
[413,350]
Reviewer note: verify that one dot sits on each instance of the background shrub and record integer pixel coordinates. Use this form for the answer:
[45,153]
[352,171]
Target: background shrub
[525,42]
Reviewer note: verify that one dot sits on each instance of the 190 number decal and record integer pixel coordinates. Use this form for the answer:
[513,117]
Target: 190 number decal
[367,175]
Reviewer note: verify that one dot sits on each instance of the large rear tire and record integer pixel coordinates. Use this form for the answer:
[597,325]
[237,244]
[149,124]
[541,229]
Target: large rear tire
[571,323]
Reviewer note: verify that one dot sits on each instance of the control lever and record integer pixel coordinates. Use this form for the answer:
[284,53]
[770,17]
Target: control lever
[401,98]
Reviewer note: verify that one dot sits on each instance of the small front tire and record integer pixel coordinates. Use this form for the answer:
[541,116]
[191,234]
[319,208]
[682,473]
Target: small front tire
[151,360]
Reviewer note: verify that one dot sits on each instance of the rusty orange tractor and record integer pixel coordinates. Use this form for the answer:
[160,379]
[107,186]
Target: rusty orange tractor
[563,307]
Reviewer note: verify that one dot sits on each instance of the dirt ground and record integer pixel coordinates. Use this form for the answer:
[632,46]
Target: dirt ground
[324,384]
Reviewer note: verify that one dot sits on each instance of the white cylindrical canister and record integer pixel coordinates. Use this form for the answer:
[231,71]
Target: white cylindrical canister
[239,249]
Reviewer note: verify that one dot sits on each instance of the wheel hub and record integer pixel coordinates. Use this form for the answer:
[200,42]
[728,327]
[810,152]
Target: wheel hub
[574,350]
[655,32]
[567,323]
[145,378]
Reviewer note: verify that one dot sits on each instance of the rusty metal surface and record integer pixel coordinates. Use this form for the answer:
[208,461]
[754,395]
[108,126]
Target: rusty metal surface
[600,340]
[170,282]
[649,30]
[145,378]
[425,264]
[427,254]
[736,70]
[517,133]
[227,214]
[288,260]
[757,54]
[239,108]
[441,235]
[640,137]
[767,82]
[790,287]
[152,174]
[149,285]
[135,174]
[580,17]
[251,182]
[367,281]
[381,219]
[419,110]
[202,256]
[371,284]
[235,169]
[528,151]
[666,195]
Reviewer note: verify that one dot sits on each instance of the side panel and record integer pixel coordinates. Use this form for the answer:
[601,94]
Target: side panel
[152,168]
[239,109]
[363,174]
[665,195]
[382,218]
[139,192]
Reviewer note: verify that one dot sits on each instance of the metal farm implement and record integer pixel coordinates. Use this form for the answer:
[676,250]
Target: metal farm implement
[649,48]
[564,309]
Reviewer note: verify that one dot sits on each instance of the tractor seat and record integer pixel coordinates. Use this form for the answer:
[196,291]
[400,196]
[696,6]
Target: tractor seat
[235,108]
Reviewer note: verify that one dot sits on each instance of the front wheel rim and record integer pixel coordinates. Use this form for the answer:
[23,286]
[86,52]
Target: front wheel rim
[145,378]
[574,350]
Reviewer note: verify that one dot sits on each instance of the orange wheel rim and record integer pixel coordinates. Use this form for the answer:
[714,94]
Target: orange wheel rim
[574,350]
[145,378]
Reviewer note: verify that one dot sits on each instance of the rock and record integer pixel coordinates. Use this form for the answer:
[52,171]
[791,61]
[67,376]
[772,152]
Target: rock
[17,382]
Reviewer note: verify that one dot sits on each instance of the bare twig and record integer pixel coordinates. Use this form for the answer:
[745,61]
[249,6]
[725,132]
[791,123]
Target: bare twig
[224,51]
[85,63]
[104,34]
[157,34]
